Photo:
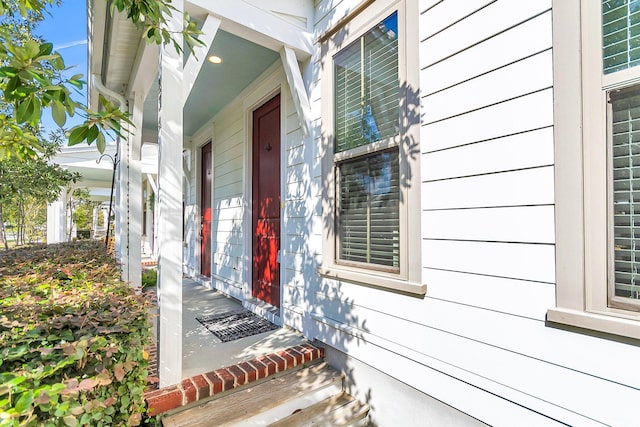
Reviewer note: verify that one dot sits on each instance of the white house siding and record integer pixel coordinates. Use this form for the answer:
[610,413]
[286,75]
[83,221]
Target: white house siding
[297,258]
[231,221]
[191,211]
[227,240]
[478,340]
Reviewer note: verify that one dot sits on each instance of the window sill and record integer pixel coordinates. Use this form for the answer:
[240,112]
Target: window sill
[623,326]
[374,280]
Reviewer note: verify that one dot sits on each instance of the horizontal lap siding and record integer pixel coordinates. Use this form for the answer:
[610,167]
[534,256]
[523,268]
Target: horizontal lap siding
[487,143]
[228,195]
[191,212]
[488,221]
[524,150]
[228,229]
[488,255]
[509,117]
[296,264]
[490,356]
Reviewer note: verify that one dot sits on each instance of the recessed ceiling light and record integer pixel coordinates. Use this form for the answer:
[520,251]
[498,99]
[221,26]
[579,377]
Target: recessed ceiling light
[215,59]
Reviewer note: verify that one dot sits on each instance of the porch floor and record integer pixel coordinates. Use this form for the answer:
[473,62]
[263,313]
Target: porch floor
[203,352]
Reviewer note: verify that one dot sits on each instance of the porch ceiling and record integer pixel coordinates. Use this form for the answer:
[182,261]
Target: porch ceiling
[217,84]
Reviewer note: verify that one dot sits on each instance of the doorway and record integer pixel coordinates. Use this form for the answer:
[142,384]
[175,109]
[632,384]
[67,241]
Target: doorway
[205,209]
[266,203]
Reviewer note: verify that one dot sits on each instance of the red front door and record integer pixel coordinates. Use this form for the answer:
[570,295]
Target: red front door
[205,209]
[266,202]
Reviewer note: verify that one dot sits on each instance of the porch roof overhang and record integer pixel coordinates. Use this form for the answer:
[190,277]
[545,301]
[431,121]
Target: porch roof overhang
[267,23]
[254,33]
[96,177]
[96,169]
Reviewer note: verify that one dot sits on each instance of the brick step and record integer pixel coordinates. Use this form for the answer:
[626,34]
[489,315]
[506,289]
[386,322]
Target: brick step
[339,410]
[216,384]
[264,403]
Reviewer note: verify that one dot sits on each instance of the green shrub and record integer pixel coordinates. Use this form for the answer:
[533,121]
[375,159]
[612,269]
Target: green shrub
[149,278]
[71,339]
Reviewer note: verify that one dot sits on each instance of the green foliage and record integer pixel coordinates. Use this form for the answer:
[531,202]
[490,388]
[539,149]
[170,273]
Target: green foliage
[71,339]
[149,278]
[29,217]
[34,176]
[32,75]
[150,16]
[30,181]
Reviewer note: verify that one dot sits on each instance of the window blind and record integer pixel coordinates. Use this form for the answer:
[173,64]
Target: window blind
[620,34]
[366,87]
[625,147]
[368,216]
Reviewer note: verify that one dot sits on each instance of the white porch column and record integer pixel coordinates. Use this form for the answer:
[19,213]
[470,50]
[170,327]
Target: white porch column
[133,225]
[150,217]
[94,221]
[57,220]
[118,205]
[123,212]
[105,217]
[154,215]
[170,118]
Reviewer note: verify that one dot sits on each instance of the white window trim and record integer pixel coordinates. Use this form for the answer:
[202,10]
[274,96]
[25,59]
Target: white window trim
[409,278]
[580,135]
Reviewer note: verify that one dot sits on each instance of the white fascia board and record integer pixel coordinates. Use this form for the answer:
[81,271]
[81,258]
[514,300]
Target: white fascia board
[84,155]
[196,59]
[258,26]
[298,90]
[96,24]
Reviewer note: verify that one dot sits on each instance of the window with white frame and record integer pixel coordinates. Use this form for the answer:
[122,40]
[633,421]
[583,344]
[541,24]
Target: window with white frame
[367,93]
[597,164]
[621,51]
[370,117]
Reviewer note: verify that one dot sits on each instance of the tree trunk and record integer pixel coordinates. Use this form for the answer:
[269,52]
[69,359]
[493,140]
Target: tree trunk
[19,224]
[3,234]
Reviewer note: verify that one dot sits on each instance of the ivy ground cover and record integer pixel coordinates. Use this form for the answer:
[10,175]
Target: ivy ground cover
[72,339]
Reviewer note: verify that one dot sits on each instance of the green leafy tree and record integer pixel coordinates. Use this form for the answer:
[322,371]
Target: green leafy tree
[31,180]
[27,220]
[32,78]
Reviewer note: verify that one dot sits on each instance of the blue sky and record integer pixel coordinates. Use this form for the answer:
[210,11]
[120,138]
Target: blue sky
[66,28]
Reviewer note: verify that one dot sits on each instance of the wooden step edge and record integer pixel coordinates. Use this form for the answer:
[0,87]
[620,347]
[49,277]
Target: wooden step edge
[211,385]
[255,401]
[359,416]
[284,409]
[298,417]
[339,410]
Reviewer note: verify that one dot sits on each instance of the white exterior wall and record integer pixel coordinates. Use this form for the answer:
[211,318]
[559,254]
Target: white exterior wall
[228,201]
[231,139]
[297,267]
[478,340]
[191,232]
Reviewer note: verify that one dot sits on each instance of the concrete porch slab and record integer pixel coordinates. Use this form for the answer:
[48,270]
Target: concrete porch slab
[211,367]
[203,352]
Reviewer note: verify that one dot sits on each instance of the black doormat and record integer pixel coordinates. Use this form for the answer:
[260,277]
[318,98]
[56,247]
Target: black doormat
[233,325]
